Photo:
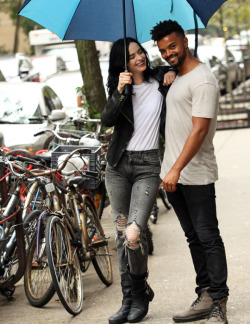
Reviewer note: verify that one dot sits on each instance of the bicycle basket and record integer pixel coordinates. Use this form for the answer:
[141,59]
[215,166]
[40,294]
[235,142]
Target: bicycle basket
[91,161]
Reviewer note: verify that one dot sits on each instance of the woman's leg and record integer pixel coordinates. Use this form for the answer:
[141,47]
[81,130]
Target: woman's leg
[146,181]
[119,191]
[143,196]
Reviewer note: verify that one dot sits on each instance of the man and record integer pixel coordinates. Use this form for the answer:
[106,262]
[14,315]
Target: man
[189,170]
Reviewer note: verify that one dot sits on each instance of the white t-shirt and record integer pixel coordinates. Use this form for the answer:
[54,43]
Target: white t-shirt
[193,94]
[147,105]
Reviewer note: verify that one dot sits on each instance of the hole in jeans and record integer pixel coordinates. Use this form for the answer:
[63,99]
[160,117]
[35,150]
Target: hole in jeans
[133,236]
[121,222]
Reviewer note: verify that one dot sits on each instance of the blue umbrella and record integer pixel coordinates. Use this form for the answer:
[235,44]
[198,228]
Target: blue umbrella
[109,20]
[104,19]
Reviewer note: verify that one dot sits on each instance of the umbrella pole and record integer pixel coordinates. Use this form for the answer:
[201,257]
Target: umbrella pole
[128,87]
[196,35]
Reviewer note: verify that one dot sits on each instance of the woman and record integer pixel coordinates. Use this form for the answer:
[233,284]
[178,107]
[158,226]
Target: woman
[132,173]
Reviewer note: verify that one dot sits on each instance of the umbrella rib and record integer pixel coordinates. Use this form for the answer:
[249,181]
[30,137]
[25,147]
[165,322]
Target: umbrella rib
[71,19]
[134,18]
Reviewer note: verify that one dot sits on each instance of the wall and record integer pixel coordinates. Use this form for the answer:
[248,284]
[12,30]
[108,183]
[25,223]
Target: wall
[7,34]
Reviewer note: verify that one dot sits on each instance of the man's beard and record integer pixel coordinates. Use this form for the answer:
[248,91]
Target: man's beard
[179,61]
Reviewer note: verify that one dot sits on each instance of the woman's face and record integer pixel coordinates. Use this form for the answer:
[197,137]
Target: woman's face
[137,59]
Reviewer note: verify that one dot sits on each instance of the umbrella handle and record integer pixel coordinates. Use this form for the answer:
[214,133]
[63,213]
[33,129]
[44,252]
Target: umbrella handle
[128,90]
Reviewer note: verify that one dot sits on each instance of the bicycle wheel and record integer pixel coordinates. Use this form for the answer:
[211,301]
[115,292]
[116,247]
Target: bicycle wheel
[164,198]
[64,265]
[28,232]
[38,283]
[99,244]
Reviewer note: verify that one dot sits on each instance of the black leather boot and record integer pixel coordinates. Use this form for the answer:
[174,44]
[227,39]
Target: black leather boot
[122,314]
[142,294]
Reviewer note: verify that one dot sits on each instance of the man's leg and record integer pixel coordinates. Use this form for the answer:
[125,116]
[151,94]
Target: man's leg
[202,208]
[200,308]
[180,205]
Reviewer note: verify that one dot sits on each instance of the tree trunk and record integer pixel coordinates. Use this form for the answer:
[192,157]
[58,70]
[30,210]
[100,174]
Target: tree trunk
[16,39]
[91,74]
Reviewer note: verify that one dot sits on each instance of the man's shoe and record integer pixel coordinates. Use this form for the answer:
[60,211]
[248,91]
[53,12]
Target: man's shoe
[200,309]
[218,313]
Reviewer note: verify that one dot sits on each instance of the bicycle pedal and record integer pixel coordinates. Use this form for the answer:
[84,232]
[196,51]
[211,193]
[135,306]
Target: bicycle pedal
[99,242]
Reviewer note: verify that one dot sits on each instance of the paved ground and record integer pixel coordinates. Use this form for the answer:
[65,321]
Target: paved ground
[171,271]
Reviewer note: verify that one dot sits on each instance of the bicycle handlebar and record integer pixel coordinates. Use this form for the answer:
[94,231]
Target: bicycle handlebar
[51,171]
[65,139]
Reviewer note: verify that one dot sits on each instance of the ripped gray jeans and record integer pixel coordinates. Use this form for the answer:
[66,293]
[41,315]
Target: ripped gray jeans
[132,188]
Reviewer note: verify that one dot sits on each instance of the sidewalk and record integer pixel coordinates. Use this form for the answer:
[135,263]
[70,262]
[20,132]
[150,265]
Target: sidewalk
[171,273]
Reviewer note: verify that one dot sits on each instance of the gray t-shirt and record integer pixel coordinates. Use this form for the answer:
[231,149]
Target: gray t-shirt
[193,94]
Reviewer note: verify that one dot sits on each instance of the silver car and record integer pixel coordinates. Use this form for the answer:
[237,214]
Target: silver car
[25,109]
[17,68]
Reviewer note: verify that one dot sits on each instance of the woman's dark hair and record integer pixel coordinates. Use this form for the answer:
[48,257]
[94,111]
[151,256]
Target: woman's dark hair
[117,61]
[164,28]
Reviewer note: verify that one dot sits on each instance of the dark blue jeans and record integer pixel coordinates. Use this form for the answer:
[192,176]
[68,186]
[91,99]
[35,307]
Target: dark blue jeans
[195,208]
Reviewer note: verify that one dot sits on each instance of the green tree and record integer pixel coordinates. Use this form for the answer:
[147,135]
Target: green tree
[12,7]
[233,14]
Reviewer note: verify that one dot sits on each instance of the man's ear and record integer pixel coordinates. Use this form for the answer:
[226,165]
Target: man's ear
[186,42]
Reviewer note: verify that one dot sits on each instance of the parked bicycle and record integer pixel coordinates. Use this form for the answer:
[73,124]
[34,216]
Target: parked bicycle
[77,137]
[13,238]
[70,236]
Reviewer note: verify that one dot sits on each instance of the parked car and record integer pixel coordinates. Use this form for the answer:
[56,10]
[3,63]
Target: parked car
[26,108]
[47,65]
[67,52]
[65,83]
[18,68]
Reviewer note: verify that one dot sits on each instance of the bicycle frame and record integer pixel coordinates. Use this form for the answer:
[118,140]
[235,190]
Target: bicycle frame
[7,243]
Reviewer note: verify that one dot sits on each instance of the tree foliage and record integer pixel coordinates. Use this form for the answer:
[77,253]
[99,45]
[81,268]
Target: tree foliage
[12,7]
[234,15]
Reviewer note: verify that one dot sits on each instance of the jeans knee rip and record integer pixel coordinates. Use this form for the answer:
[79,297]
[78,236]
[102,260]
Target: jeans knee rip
[132,238]
[121,222]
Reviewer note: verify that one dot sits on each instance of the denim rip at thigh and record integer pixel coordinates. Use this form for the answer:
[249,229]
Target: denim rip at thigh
[132,187]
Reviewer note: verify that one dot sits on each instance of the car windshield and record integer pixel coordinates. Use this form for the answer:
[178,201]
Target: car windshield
[18,107]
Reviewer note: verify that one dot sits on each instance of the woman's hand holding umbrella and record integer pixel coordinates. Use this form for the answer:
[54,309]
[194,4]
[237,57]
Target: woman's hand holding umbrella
[124,78]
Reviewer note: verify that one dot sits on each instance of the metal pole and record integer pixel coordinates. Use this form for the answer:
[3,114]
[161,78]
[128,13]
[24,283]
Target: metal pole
[128,87]
[125,34]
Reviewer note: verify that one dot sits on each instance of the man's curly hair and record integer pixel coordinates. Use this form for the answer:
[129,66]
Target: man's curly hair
[164,28]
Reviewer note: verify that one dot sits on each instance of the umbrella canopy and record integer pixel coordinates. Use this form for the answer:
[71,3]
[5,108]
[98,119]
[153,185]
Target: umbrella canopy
[103,19]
